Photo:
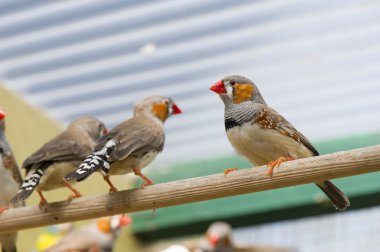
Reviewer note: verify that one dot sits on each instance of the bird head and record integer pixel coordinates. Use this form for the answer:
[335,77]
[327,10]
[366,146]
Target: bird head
[157,106]
[91,125]
[113,224]
[237,89]
[119,221]
[219,235]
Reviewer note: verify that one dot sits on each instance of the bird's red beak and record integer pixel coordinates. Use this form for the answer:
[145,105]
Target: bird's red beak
[2,114]
[125,220]
[218,88]
[105,131]
[213,240]
[176,109]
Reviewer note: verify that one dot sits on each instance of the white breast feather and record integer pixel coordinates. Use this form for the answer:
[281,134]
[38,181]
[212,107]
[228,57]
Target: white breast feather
[261,146]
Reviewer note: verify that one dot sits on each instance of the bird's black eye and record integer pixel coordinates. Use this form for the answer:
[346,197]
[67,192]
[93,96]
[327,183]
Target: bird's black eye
[232,82]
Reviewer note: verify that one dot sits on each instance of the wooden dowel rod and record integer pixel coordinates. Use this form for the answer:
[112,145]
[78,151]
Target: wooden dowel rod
[336,165]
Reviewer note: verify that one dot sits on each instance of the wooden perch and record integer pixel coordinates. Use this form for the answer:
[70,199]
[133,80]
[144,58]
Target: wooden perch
[336,165]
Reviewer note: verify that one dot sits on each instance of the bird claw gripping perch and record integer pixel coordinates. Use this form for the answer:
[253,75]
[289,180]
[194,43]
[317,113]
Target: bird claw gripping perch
[113,189]
[146,180]
[276,164]
[76,193]
[43,201]
[228,170]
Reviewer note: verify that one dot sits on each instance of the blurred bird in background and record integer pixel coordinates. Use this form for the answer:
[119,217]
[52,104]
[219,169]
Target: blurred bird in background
[98,236]
[131,145]
[10,182]
[218,238]
[51,235]
[46,167]
[262,135]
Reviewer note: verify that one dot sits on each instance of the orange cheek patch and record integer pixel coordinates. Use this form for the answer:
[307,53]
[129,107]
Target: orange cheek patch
[242,92]
[161,111]
[104,225]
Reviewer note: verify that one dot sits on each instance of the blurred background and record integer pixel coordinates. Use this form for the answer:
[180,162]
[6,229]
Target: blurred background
[316,62]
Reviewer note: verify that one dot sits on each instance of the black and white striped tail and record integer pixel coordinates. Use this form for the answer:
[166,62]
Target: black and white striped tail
[28,186]
[97,160]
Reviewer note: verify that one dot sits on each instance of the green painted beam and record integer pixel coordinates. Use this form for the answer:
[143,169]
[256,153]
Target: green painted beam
[287,201]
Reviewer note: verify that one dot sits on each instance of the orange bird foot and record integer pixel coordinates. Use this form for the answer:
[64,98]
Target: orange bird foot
[112,190]
[43,201]
[76,193]
[71,197]
[146,183]
[3,209]
[42,204]
[273,164]
[112,187]
[228,170]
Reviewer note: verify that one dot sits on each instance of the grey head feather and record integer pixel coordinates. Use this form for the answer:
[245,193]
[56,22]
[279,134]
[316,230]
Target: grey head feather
[144,106]
[256,97]
[237,114]
[91,125]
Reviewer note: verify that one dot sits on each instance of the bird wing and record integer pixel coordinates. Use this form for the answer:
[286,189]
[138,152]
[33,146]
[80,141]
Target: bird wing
[59,149]
[269,118]
[134,137]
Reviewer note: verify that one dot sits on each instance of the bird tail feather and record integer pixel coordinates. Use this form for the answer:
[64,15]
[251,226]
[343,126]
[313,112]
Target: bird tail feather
[338,198]
[97,160]
[27,187]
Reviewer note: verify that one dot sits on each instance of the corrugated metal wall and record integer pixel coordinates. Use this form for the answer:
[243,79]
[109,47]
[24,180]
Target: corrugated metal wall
[317,62]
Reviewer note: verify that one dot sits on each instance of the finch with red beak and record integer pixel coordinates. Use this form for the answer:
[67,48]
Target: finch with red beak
[131,145]
[262,135]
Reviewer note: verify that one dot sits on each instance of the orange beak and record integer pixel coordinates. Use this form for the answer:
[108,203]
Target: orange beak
[176,109]
[218,88]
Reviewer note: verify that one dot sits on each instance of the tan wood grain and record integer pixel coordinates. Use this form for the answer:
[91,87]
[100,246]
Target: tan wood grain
[336,165]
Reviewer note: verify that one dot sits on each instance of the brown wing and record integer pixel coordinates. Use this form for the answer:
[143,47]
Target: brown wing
[64,147]
[134,137]
[269,118]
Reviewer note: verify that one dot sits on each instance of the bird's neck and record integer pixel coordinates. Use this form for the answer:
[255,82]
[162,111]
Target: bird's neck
[151,117]
[238,114]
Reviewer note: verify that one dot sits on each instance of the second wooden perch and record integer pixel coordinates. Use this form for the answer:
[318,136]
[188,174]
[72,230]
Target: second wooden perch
[336,165]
